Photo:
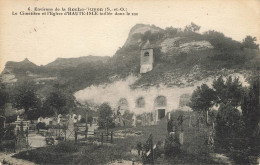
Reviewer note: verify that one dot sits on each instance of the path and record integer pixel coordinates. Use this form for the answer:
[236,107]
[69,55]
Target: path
[125,162]
[222,158]
[36,140]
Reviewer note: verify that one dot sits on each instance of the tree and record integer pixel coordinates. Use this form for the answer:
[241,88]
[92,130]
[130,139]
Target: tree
[4,97]
[202,99]
[229,91]
[25,97]
[170,31]
[58,102]
[220,42]
[105,115]
[192,28]
[249,42]
[251,116]
[229,125]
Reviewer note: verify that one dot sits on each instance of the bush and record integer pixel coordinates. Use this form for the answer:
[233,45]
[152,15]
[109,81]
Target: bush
[172,146]
[67,147]
[7,133]
[82,120]
[105,115]
[196,141]
[90,120]
[7,144]
[229,126]
[41,126]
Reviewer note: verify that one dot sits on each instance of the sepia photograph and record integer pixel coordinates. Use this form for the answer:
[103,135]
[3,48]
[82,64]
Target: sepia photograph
[127,82]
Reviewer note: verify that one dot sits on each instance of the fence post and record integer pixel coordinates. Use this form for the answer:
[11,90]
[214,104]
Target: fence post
[102,138]
[152,153]
[111,136]
[59,130]
[65,133]
[15,145]
[76,135]
[86,132]
[27,140]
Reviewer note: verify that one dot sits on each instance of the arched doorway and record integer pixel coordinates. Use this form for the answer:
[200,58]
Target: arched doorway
[160,104]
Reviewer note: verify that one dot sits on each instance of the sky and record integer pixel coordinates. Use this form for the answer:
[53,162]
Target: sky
[42,39]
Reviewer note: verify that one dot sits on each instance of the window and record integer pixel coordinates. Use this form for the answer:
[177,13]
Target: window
[146,54]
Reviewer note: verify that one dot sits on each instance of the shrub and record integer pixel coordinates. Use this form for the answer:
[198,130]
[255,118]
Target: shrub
[105,115]
[172,146]
[41,126]
[198,146]
[82,120]
[67,147]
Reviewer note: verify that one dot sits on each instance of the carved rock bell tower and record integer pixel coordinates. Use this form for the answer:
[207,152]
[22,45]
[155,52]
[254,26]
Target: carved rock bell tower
[146,60]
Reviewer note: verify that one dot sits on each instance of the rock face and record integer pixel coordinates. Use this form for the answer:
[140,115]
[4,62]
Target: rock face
[134,34]
[175,44]
[23,64]
[28,70]
[195,45]
[73,62]
[8,77]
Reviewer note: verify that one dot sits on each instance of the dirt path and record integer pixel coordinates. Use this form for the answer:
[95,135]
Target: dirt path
[7,158]
[222,158]
[124,162]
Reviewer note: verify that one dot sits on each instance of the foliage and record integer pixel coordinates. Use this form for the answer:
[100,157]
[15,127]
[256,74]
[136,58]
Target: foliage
[127,117]
[41,125]
[196,142]
[251,112]
[90,119]
[82,120]
[98,154]
[58,102]
[249,42]
[172,146]
[7,133]
[4,98]
[202,98]
[229,125]
[67,147]
[152,37]
[3,95]
[34,114]
[192,28]
[170,31]
[105,115]
[25,96]
[229,91]
[221,42]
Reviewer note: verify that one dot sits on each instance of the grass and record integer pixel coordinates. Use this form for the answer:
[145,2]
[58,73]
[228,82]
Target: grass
[193,150]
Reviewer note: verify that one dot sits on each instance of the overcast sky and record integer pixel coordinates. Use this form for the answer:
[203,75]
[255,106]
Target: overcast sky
[42,39]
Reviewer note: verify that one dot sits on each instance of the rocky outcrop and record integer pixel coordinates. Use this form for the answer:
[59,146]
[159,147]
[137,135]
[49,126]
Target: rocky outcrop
[134,36]
[8,77]
[176,45]
[73,62]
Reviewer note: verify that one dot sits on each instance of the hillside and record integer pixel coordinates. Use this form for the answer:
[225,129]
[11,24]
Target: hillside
[74,62]
[181,58]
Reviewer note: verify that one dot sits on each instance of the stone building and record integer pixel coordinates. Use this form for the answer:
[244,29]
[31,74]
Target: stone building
[146,58]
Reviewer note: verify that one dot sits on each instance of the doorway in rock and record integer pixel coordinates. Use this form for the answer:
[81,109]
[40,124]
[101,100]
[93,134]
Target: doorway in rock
[161,113]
